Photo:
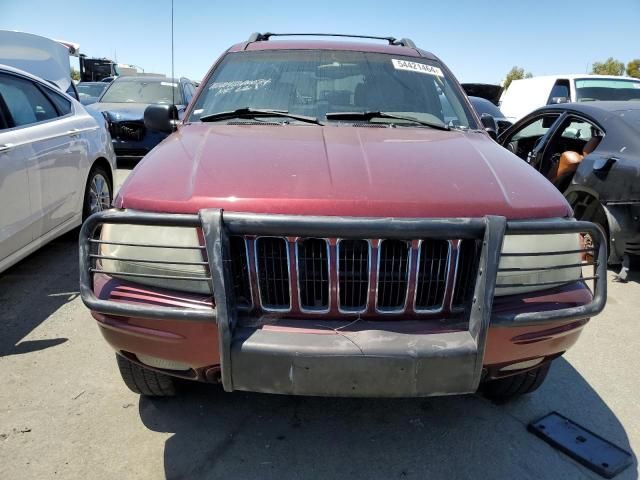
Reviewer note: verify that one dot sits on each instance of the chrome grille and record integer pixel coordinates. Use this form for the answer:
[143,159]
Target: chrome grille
[393,273]
[433,266]
[272,264]
[466,269]
[353,275]
[313,274]
[240,271]
[335,276]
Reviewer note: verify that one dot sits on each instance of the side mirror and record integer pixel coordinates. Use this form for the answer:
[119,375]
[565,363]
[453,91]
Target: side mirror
[162,118]
[490,125]
[558,100]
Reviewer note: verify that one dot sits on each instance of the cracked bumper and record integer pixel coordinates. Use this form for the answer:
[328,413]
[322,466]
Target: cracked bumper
[371,363]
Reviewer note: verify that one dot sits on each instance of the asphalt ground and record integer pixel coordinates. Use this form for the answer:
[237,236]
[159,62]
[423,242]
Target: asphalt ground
[65,413]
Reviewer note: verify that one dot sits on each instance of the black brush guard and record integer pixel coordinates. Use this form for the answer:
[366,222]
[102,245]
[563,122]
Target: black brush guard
[375,362]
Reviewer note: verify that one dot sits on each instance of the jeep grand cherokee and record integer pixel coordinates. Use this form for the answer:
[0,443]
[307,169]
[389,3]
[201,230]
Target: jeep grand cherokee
[319,225]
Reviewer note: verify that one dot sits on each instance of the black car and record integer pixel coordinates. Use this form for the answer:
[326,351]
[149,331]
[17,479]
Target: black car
[124,102]
[90,92]
[484,107]
[590,152]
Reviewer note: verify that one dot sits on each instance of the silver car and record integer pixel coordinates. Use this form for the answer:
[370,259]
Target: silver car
[56,164]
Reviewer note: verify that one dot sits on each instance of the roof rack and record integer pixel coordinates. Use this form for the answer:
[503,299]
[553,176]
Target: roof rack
[263,37]
[406,42]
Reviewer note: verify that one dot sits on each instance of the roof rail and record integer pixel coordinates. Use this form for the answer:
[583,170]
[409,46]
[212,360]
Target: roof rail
[406,42]
[262,37]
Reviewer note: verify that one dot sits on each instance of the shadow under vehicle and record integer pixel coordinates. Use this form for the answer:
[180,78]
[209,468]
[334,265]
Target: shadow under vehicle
[249,435]
[591,153]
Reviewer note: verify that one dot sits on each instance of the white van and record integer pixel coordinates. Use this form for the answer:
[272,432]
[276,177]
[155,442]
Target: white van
[524,96]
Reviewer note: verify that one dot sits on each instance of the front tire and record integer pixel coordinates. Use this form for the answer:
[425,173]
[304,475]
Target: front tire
[98,192]
[144,381]
[507,388]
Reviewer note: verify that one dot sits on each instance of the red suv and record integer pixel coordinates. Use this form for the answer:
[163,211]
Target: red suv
[332,218]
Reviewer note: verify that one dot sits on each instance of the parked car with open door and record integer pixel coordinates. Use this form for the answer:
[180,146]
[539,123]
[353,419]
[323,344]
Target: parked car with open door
[591,153]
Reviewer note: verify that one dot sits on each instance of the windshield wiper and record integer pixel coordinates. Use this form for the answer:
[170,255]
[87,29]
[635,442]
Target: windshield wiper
[372,115]
[248,112]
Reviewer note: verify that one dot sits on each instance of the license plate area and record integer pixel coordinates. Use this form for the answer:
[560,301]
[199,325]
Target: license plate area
[584,446]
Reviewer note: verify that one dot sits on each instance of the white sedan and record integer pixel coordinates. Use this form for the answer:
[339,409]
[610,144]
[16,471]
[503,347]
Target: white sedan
[56,164]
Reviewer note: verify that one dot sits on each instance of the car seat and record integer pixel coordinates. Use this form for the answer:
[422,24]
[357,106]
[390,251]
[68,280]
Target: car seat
[383,94]
[569,162]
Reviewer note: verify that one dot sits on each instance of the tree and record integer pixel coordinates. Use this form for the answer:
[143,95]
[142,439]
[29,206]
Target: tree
[75,74]
[516,73]
[610,66]
[633,68]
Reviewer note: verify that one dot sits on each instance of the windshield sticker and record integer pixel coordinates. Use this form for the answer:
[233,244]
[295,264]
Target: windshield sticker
[416,67]
[169,84]
[222,88]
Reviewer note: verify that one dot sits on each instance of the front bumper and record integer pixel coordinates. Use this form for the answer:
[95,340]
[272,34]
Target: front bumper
[369,362]
[365,363]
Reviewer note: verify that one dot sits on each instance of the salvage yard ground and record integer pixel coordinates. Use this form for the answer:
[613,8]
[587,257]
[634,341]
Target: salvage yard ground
[65,413]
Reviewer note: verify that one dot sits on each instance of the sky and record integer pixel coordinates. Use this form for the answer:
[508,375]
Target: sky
[479,41]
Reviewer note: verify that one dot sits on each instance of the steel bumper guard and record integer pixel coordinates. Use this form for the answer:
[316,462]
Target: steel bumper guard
[374,362]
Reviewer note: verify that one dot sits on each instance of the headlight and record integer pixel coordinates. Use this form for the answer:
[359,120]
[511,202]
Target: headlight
[130,259]
[533,266]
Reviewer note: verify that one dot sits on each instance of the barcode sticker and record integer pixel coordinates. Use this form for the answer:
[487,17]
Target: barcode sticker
[416,67]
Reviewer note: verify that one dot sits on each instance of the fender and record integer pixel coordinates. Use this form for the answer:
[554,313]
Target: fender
[624,230]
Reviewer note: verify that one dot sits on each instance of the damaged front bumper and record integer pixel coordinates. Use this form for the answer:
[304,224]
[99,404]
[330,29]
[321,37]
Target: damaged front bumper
[375,361]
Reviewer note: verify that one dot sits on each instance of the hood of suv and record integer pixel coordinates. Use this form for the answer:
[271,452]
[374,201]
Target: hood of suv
[338,170]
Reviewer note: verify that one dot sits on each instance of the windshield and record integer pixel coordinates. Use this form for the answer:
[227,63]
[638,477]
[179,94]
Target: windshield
[92,90]
[142,91]
[316,82]
[485,106]
[607,89]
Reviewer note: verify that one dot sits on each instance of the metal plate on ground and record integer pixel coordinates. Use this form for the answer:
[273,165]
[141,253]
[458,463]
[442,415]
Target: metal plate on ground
[584,446]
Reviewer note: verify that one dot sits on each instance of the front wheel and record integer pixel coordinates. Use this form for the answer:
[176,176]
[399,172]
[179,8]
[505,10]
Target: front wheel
[508,388]
[98,192]
[144,381]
